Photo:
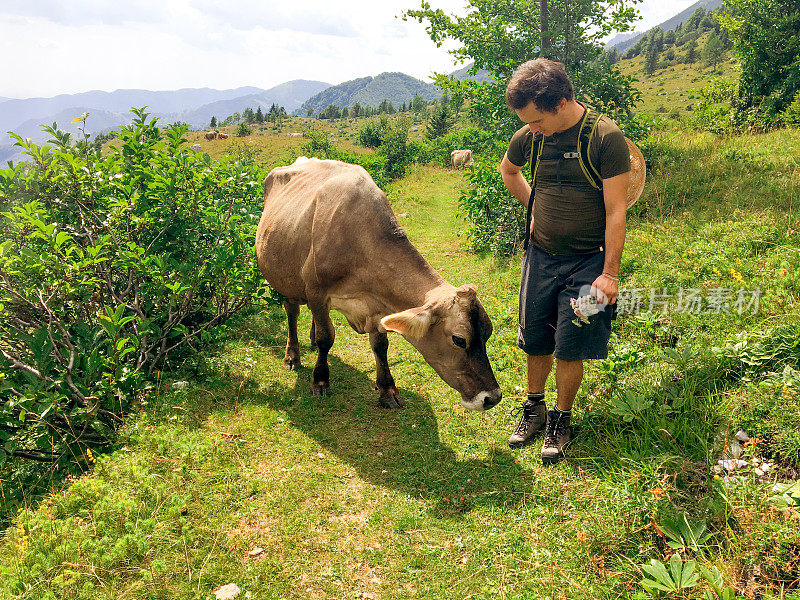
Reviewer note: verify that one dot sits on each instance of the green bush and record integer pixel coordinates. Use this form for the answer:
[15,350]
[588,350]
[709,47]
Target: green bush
[791,116]
[497,219]
[372,132]
[110,269]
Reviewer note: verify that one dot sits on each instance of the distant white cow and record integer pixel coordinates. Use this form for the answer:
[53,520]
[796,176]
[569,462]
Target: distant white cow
[461,158]
[295,134]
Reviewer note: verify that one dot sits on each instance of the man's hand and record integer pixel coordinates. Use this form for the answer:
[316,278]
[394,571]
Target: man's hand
[605,290]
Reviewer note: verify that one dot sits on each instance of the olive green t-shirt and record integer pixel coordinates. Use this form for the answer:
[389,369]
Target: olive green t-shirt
[569,215]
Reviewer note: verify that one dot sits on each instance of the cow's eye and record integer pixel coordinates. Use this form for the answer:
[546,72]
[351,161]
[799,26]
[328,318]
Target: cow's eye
[459,341]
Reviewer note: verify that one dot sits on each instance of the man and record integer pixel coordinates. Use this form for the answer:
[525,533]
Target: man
[577,234]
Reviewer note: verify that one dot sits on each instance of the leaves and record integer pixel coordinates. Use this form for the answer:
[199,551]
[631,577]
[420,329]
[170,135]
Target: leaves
[680,575]
[629,405]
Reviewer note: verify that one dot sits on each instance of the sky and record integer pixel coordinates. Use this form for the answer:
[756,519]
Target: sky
[67,46]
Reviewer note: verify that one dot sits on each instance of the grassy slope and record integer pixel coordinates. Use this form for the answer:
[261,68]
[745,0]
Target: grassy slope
[351,501]
[675,87]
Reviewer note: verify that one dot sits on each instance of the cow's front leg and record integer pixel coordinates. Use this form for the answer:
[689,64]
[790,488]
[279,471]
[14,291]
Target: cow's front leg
[292,359]
[389,397]
[323,337]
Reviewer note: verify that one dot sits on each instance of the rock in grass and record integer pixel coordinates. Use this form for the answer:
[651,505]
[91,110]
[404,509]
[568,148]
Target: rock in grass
[226,592]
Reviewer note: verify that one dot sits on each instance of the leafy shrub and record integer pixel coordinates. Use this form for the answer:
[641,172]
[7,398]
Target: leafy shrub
[387,163]
[497,218]
[714,110]
[109,270]
[791,116]
[372,132]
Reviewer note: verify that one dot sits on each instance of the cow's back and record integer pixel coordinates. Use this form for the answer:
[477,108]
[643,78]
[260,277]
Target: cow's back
[322,222]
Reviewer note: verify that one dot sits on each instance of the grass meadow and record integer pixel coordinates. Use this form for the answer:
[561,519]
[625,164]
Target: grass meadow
[241,476]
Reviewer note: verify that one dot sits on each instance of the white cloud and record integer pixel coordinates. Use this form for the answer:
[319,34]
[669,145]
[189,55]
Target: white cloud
[77,45]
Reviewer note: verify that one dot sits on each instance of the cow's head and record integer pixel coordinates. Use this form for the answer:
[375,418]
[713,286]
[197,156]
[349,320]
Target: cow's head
[450,331]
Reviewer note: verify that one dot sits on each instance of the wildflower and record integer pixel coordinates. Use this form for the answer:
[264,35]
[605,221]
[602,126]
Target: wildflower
[752,442]
[657,493]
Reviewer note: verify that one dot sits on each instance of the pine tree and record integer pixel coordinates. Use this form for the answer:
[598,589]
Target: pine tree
[713,50]
[213,122]
[259,115]
[651,59]
[439,123]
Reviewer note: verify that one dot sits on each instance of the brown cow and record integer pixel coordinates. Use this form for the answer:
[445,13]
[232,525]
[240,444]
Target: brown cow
[210,135]
[461,158]
[328,238]
[222,136]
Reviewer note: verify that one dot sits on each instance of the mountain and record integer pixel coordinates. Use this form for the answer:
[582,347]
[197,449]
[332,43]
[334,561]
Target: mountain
[482,76]
[109,110]
[671,23]
[397,88]
[15,112]
[620,38]
[290,95]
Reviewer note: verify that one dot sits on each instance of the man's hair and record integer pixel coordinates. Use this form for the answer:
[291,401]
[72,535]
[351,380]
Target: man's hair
[541,81]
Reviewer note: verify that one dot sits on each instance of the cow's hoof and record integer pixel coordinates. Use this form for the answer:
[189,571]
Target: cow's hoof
[291,363]
[390,398]
[320,389]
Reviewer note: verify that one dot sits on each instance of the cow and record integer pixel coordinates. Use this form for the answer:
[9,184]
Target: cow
[222,136]
[461,158]
[295,134]
[210,135]
[328,238]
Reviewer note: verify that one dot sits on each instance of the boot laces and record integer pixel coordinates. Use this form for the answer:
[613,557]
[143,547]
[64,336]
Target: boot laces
[556,427]
[526,410]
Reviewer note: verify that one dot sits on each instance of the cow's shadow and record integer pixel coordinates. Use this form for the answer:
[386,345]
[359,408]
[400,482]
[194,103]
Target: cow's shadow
[400,448]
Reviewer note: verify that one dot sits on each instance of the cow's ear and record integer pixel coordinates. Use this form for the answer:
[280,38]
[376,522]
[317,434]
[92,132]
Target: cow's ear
[466,294]
[413,322]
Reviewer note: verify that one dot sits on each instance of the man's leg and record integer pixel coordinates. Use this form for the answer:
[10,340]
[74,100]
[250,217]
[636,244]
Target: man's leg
[569,374]
[538,370]
[558,434]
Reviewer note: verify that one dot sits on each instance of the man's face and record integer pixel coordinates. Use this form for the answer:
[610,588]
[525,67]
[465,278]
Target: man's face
[541,121]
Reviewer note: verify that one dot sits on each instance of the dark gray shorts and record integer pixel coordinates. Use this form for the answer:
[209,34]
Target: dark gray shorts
[545,315]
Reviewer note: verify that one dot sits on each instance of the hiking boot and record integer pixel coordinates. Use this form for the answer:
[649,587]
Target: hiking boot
[532,423]
[557,436]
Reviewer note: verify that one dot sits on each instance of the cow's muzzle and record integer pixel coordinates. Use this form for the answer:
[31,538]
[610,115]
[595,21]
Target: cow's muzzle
[482,400]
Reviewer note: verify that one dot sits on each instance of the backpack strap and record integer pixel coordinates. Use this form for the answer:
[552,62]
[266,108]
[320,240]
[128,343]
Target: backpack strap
[537,146]
[588,126]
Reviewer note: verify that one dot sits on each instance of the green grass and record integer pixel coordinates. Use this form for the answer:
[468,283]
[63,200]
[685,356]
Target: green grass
[349,500]
[672,90]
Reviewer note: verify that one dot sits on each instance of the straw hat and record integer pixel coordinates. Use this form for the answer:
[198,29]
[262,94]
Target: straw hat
[636,184]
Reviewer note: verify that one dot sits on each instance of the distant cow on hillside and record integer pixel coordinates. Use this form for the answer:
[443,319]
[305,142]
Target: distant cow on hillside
[295,134]
[211,135]
[222,136]
[461,158]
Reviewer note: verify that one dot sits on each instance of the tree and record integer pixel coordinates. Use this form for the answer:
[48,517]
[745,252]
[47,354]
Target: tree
[498,36]
[418,104]
[713,50]
[356,110]
[651,59]
[243,130]
[765,37]
[259,115]
[213,122]
[440,122]
[691,51]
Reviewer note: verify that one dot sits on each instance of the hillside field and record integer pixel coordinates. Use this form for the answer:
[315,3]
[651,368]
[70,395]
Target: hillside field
[240,476]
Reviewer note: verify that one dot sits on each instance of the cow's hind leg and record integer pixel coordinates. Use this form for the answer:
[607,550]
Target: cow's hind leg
[323,337]
[389,397]
[313,336]
[292,359]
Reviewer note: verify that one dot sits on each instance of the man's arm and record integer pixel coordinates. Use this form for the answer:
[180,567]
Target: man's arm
[615,193]
[515,181]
